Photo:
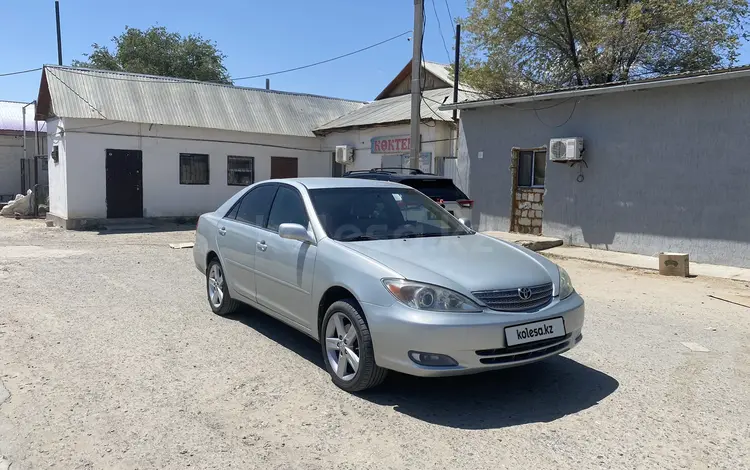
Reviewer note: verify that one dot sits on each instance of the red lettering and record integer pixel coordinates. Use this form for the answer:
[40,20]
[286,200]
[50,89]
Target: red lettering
[406,143]
[377,146]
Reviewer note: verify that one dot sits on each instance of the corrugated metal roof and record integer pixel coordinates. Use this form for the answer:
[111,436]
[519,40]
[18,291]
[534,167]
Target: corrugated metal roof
[397,109]
[674,79]
[441,71]
[11,117]
[98,94]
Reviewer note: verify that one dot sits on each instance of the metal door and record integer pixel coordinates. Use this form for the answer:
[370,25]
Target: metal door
[124,183]
[283,167]
[236,241]
[238,233]
[283,267]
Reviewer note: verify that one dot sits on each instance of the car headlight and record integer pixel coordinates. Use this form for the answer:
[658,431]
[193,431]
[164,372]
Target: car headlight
[428,297]
[566,287]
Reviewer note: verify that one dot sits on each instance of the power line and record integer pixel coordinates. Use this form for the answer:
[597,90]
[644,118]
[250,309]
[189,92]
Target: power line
[440,30]
[450,15]
[323,61]
[19,72]
[76,93]
[181,80]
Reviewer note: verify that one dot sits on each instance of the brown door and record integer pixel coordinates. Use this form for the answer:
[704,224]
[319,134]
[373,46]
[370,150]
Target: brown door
[283,167]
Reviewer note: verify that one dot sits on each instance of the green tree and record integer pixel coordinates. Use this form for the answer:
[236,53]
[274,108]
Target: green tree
[156,51]
[530,45]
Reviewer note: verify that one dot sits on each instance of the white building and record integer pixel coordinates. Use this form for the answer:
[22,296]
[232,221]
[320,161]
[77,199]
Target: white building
[17,168]
[130,146]
[380,131]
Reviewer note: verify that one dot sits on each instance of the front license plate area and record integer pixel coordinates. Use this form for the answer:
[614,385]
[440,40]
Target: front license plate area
[536,331]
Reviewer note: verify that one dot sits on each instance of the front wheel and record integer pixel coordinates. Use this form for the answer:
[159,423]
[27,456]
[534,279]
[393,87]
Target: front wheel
[347,348]
[217,291]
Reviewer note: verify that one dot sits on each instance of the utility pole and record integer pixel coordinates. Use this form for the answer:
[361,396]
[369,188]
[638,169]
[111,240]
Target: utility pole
[455,70]
[59,37]
[416,88]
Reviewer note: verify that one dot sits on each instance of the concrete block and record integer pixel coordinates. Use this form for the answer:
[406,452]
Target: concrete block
[524,205]
[537,197]
[536,230]
[524,221]
[524,213]
[537,206]
[539,214]
[519,196]
[536,222]
[674,264]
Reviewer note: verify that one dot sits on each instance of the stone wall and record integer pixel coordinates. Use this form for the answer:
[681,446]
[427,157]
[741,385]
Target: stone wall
[528,210]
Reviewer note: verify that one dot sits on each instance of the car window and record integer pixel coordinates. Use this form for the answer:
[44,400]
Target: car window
[287,208]
[232,214]
[254,207]
[436,188]
[359,214]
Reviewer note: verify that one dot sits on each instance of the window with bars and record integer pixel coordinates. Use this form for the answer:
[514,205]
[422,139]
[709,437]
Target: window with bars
[240,170]
[193,168]
[531,168]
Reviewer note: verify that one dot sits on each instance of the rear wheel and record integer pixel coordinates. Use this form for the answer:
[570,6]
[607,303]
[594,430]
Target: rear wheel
[216,289]
[347,348]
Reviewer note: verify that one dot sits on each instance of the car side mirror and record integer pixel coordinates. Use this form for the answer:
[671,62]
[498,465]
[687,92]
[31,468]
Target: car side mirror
[295,232]
[466,222]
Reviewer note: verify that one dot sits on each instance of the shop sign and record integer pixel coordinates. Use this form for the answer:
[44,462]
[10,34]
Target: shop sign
[390,144]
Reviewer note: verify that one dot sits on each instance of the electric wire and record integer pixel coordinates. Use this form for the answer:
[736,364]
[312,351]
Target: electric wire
[8,74]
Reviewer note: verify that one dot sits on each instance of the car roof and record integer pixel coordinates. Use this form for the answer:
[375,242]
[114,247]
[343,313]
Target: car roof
[417,177]
[338,182]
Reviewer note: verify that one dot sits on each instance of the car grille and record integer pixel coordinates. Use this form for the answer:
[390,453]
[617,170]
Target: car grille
[509,300]
[523,352]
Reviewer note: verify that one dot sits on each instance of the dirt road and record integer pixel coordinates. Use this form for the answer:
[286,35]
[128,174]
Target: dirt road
[111,358]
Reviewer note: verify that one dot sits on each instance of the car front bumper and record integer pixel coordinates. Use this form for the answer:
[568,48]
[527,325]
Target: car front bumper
[476,341]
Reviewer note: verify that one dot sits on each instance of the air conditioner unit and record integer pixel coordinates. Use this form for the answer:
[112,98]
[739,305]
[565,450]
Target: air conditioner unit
[569,149]
[344,154]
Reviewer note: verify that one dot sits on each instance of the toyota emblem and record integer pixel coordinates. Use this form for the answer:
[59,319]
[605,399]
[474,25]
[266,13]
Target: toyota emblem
[524,293]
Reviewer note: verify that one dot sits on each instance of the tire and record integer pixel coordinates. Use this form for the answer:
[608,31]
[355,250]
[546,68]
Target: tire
[367,374]
[221,304]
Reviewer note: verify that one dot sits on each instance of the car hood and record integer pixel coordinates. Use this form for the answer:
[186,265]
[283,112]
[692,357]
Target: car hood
[464,263]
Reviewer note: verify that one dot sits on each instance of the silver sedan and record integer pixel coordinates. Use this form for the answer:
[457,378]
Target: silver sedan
[384,279]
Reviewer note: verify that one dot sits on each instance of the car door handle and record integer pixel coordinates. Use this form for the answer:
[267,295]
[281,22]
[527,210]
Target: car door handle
[262,245]
[222,231]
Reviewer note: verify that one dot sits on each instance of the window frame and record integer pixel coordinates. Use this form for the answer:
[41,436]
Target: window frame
[236,206]
[191,156]
[302,199]
[534,152]
[252,169]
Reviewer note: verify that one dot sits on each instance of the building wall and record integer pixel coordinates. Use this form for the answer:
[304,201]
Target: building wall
[58,182]
[435,139]
[667,169]
[82,165]
[11,153]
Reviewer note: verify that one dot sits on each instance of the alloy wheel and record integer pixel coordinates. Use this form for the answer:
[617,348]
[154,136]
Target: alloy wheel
[215,285]
[342,346]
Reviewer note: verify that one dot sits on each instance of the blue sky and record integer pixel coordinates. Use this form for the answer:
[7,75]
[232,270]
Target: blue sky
[257,36]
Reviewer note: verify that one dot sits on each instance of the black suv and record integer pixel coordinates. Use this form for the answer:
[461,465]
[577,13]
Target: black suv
[439,188]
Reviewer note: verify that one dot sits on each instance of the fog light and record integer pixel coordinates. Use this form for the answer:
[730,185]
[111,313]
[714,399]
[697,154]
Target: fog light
[432,359]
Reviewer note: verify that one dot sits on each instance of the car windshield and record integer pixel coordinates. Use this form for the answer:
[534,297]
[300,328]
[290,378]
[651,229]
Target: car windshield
[360,214]
[436,188]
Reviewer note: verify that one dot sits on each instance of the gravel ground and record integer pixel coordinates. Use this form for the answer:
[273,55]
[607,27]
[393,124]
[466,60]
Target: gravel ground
[111,358]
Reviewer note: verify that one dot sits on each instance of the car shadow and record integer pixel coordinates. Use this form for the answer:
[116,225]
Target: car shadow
[537,393]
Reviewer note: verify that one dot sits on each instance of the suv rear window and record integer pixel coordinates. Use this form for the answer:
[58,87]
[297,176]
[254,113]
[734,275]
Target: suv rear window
[436,188]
